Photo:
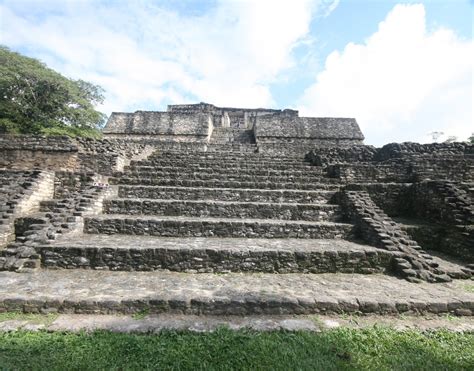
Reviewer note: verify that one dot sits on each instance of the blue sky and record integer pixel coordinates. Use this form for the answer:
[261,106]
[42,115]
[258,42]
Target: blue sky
[402,69]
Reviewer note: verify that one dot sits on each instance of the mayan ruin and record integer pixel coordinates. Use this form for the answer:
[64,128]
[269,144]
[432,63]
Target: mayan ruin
[230,211]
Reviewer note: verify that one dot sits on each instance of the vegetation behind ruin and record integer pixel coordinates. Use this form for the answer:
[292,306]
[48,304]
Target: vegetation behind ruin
[35,99]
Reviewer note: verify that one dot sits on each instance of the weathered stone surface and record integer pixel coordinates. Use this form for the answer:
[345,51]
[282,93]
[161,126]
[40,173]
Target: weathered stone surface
[170,125]
[20,194]
[158,322]
[201,170]
[80,291]
[224,209]
[197,255]
[225,194]
[273,130]
[179,226]
[57,153]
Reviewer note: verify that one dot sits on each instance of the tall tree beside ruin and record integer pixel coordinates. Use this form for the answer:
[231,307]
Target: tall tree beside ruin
[36,99]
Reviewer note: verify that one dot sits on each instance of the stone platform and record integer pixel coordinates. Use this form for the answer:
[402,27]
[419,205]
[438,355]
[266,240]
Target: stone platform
[89,291]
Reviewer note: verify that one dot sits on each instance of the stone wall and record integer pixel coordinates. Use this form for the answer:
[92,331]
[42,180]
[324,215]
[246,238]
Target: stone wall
[163,126]
[184,260]
[336,155]
[378,229]
[26,152]
[60,153]
[437,214]
[282,125]
[20,194]
[242,118]
[371,172]
[403,162]
[108,155]
[272,128]
[395,199]
[400,150]
[448,213]
[441,201]
[75,195]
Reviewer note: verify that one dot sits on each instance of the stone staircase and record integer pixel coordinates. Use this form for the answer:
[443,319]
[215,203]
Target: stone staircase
[227,135]
[213,216]
[222,232]
[219,212]
[225,139]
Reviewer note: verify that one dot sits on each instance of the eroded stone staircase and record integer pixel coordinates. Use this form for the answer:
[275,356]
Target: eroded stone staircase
[220,212]
[222,232]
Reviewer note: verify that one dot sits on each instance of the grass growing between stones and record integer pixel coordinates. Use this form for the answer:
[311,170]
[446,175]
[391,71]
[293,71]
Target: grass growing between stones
[469,287]
[376,348]
[45,319]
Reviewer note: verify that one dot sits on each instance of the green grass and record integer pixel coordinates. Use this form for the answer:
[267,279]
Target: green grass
[468,287]
[141,315]
[342,349]
[45,319]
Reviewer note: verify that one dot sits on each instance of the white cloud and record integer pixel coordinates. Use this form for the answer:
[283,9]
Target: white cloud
[401,84]
[144,54]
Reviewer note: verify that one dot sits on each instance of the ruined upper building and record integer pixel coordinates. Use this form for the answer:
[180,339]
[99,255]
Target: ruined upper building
[207,124]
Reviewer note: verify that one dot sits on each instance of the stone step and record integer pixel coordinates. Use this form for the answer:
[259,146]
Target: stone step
[217,164]
[441,239]
[224,148]
[234,146]
[228,155]
[98,292]
[231,141]
[223,129]
[329,184]
[223,209]
[145,170]
[171,153]
[238,138]
[225,156]
[180,226]
[232,134]
[225,176]
[229,137]
[243,138]
[206,255]
[247,176]
[225,194]
[223,165]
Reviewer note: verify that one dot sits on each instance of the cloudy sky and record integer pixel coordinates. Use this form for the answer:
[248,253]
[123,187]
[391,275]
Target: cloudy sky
[403,70]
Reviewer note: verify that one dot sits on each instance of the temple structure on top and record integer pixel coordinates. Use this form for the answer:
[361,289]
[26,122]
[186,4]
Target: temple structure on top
[204,123]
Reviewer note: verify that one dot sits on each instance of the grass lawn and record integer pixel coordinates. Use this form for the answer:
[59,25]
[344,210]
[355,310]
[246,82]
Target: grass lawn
[375,348]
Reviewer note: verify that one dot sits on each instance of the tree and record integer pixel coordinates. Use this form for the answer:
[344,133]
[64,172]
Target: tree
[471,138]
[451,139]
[35,99]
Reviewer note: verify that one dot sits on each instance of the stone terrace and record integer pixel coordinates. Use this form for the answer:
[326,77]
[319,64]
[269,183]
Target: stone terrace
[232,211]
[234,217]
[255,214]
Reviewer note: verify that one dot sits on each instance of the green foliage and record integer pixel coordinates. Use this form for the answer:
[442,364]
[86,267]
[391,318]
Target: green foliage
[72,131]
[36,99]
[471,138]
[342,349]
